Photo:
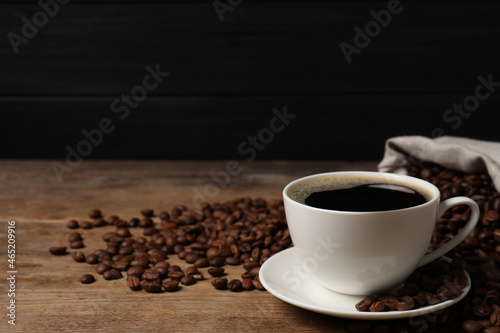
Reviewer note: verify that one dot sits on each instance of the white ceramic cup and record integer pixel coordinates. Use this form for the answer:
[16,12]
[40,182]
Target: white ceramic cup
[361,253]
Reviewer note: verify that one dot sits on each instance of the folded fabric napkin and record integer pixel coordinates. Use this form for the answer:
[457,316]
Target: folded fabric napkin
[461,154]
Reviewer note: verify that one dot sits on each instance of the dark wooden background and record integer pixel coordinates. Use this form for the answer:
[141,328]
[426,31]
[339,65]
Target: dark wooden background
[226,77]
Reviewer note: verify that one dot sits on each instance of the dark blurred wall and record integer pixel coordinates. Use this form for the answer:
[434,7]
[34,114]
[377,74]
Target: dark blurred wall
[246,79]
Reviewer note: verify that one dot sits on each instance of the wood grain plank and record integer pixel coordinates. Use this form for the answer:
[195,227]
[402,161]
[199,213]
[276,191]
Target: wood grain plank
[344,127]
[261,47]
[49,295]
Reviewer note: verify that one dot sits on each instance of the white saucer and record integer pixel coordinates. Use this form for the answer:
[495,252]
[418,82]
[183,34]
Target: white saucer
[301,290]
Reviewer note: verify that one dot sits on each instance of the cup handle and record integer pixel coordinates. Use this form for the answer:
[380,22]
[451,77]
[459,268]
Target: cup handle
[467,229]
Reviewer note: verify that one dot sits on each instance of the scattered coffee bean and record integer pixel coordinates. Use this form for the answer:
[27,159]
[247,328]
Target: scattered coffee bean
[74,236]
[247,284]
[175,275]
[97,223]
[151,275]
[171,285]
[188,280]
[234,285]
[78,256]
[472,326]
[151,287]
[202,263]
[220,283]
[95,214]
[216,271]
[147,212]
[58,250]
[134,282]
[76,244]
[112,274]
[92,259]
[101,268]
[73,224]
[135,270]
[87,278]
[257,284]
[86,225]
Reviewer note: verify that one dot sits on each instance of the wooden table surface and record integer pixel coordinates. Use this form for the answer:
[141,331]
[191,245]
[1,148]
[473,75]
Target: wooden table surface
[48,294]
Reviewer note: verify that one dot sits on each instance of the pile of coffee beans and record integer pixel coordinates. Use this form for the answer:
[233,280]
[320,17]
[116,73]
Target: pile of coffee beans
[479,254]
[243,232]
[434,283]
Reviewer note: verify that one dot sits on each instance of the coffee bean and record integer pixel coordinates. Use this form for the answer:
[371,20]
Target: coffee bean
[86,225]
[73,224]
[151,287]
[472,326]
[202,263]
[191,270]
[495,318]
[448,291]
[135,270]
[101,268]
[74,236]
[123,232]
[405,303]
[95,214]
[219,283]
[76,244]
[171,285]
[216,271]
[112,274]
[146,223]
[78,256]
[234,285]
[141,262]
[249,265]
[364,305]
[217,262]
[147,212]
[191,258]
[492,329]
[175,275]
[257,284]
[232,261]
[120,265]
[87,278]
[188,280]
[174,268]
[134,282]
[377,306]
[151,275]
[247,284]
[58,250]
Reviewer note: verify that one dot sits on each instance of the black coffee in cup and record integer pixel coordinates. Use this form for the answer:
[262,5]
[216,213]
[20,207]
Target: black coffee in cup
[366,198]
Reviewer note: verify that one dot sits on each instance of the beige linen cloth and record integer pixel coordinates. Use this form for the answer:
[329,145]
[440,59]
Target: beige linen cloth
[461,154]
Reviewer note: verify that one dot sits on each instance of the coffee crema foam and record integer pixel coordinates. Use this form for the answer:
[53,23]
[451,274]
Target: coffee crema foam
[300,191]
